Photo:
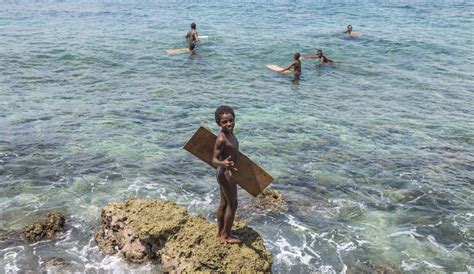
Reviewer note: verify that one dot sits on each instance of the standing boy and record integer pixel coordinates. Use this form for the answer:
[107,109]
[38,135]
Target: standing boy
[296,66]
[226,150]
[192,37]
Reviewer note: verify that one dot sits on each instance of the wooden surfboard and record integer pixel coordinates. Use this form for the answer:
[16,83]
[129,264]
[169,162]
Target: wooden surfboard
[249,175]
[354,34]
[174,51]
[183,50]
[278,69]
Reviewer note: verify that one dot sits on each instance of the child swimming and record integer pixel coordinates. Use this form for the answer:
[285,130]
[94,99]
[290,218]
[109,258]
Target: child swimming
[351,33]
[319,55]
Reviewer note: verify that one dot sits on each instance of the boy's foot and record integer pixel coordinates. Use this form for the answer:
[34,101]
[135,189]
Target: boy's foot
[230,240]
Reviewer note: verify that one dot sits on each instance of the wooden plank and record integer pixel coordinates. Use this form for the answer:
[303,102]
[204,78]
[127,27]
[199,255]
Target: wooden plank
[249,175]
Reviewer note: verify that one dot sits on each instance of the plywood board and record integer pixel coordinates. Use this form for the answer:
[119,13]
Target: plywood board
[249,175]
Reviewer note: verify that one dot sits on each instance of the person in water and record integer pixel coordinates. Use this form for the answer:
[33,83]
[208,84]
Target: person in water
[296,66]
[319,55]
[226,150]
[351,33]
[348,30]
[193,38]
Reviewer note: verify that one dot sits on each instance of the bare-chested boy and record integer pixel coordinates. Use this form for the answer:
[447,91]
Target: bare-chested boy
[296,66]
[226,150]
[192,37]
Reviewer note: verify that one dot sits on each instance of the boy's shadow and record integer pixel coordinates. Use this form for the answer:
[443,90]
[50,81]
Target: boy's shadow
[248,236]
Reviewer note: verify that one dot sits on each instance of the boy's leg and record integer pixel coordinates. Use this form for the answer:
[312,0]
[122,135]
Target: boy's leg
[220,214]
[229,189]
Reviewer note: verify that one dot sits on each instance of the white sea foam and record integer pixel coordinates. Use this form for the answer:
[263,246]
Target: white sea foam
[432,265]
[327,269]
[433,241]
[411,233]
[293,254]
[301,252]
[409,266]
[11,257]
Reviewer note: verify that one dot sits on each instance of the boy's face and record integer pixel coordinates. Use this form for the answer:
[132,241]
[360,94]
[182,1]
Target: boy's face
[227,122]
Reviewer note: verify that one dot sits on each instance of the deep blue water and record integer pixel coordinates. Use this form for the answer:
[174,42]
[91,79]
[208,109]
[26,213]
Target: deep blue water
[374,154]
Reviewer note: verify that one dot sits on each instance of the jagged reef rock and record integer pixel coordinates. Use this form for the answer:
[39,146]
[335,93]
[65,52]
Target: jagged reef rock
[163,233]
[44,228]
[272,200]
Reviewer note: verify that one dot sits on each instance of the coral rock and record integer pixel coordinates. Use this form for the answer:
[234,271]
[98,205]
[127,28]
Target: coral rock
[44,228]
[164,233]
[272,200]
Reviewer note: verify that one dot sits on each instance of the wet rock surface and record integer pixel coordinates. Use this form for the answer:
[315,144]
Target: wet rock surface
[44,228]
[271,200]
[163,233]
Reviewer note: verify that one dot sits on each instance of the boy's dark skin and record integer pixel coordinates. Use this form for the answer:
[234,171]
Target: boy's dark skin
[226,150]
[296,66]
[192,37]
[319,55]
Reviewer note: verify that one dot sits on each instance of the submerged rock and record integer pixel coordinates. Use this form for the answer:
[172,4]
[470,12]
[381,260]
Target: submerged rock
[272,200]
[9,238]
[44,228]
[371,267]
[56,263]
[163,233]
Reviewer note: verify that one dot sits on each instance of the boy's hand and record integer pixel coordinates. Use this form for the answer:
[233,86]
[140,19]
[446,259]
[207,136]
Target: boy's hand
[229,164]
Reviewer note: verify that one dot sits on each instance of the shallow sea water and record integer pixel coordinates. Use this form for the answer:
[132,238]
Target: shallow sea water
[374,154]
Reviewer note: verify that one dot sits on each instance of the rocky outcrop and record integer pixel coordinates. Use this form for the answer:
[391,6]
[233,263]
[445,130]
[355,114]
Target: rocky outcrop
[271,200]
[44,228]
[164,233]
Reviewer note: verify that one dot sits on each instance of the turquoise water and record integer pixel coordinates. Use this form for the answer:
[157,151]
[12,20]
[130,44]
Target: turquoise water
[375,154]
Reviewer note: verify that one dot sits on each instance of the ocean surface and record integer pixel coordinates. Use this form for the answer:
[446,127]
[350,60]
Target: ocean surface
[375,154]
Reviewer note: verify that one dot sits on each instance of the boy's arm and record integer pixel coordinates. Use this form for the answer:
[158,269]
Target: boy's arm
[309,57]
[290,67]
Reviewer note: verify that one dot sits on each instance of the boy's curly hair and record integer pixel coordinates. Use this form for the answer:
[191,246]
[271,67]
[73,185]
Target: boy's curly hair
[221,110]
